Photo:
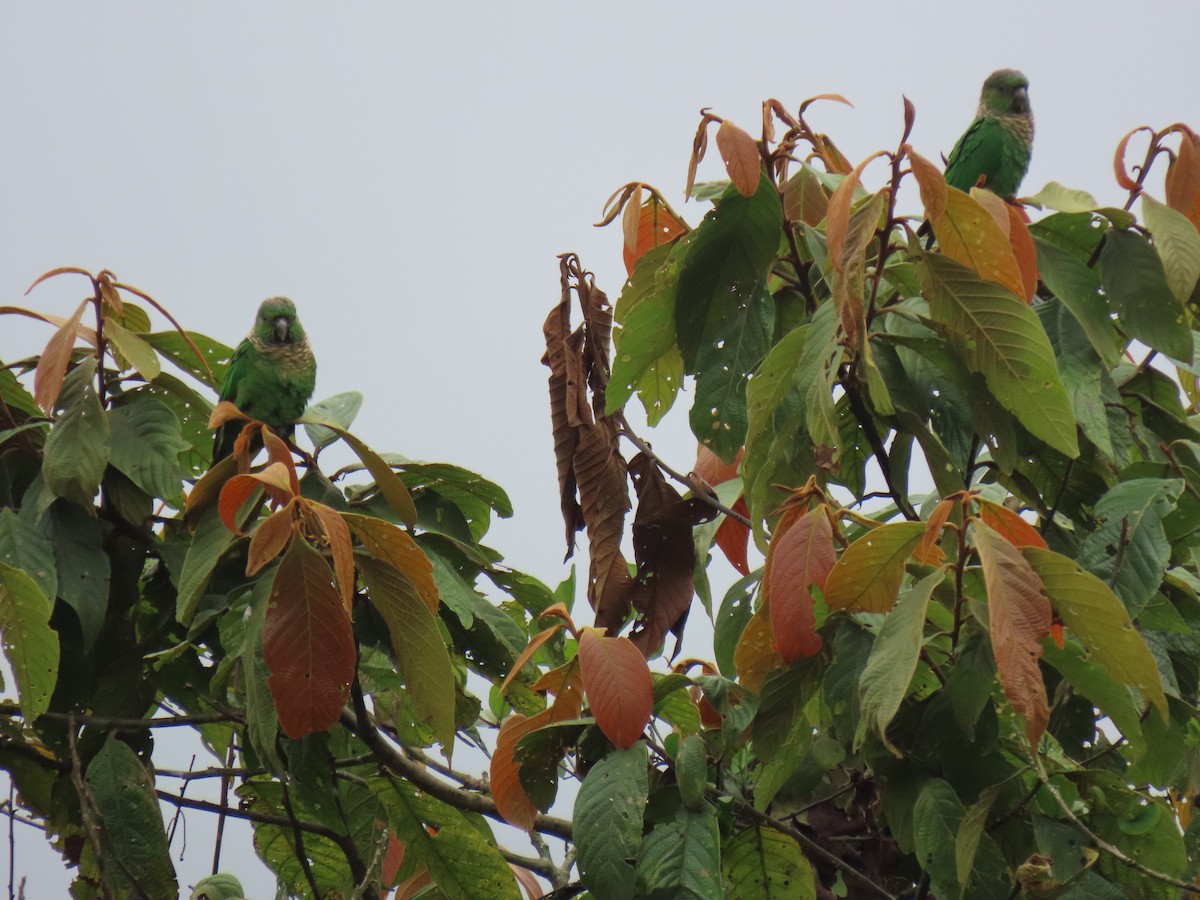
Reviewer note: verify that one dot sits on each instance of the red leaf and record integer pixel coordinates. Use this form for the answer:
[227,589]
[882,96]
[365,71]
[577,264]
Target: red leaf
[712,468]
[1119,170]
[740,154]
[528,882]
[277,451]
[733,538]
[1010,526]
[1183,176]
[656,224]
[307,643]
[337,538]
[1019,617]
[270,539]
[1023,250]
[52,366]
[930,181]
[618,686]
[239,488]
[392,859]
[799,558]
[527,654]
[511,800]
[928,551]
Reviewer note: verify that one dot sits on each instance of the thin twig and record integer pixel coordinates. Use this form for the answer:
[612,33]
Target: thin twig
[14,709]
[225,781]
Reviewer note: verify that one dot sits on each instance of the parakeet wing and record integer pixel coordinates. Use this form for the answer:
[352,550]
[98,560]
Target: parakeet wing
[979,152]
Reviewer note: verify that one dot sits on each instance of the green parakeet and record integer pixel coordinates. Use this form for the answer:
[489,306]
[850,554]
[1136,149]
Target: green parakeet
[994,151]
[271,375]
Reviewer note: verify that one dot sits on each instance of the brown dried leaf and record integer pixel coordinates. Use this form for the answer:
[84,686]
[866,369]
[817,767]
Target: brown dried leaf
[630,217]
[599,471]
[741,158]
[1019,617]
[52,366]
[699,145]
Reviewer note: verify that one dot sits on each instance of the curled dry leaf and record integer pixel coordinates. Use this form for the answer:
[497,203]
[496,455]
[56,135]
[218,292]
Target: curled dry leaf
[630,218]
[1119,169]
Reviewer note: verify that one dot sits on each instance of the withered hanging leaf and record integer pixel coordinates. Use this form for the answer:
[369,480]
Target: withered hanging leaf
[599,472]
[665,554]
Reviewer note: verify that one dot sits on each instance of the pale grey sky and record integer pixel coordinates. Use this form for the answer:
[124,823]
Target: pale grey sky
[408,172]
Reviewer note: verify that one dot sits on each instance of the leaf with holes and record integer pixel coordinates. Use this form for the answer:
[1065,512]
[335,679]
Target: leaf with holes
[764,864]
[30,644]
[612,802]
[78,446]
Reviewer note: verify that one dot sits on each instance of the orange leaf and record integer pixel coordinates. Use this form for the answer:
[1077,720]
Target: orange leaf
[224,412]
[527,654]
[528,881]
[712,468]
[270,539]
[1183,176]
[755,655]
[656,224]
[618,686]
[277,451]
[240,488]
[307,643]
[52,366]
[740,154]
[511,800]
[1023,250]
[805,199]
[967,233]
[1019,617]
[337,536]
[930,181]
[1010,526]
[928,551]
[837,218]
[566,684]
[387,543]
[413,885]
[1119,170]
[733,537]
[799,558]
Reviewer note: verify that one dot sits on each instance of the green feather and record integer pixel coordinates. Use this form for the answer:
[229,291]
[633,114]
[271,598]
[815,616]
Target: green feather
[271,375]
[994,151]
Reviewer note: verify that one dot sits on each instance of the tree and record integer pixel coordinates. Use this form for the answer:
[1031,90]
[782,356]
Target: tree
[967,665]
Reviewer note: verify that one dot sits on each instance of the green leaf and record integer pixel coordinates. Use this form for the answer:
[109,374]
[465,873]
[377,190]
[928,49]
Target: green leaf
[966,843]
[681,859]
[132,825]
[146,443]
[867,576]
[815,376]
[209,543]
[1064,199]
[765,864]
[608,813]
[999,337]
[645,321]
[24,547]
[660,384]
[1178,244]
[340,408]
[386,480]
[132,350]
[726,266]
[938,819]
[420,653]
[893,660]
[172,346]
[1090,610]
[723,364]
[1091,679]
[15,396]
[732,617]
[1128,547]
[77,449]
[276,846]
[192,411]
[678,708]
[83,566]
[1136,286]
[30,645]
[1078,288]
[691,771]
[262,721]
[465,865]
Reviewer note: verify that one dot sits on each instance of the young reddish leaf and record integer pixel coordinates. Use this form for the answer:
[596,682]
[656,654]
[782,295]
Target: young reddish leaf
[278,452]
[269,540]
[618,686]
[511,800]
[928,552]
[755,655]
[393,858]
[733,538]
[307,643]
[566,684]
[656,224]
[527,654]
[224,412]
[1018,617]
[1183,176]
[240,488]
[1056,634]
[712,469]
[52,366]
[414,885]
[337,536]
[1119,169]
[109,293]
[867,576]
[528,881]
[799,558]
[387,543]
[837,218]
[740,155]
[1023,250]
[968,234]
[930,181]
[1009,525]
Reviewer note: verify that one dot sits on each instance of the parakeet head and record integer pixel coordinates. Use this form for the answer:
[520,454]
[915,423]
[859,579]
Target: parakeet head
[277,322]
[1005,93]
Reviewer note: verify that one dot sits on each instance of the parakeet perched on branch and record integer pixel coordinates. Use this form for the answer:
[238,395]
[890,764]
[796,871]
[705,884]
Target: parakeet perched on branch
[994,151]
[271,375]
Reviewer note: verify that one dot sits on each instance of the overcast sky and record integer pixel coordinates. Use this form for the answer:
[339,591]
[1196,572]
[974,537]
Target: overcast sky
[408,174]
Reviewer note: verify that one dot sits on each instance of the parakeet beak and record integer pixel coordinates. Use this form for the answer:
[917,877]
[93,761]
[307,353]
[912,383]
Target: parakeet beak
[282,326]
[1020,100]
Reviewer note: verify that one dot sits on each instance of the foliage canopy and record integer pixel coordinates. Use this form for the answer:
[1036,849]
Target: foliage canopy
[964,661]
